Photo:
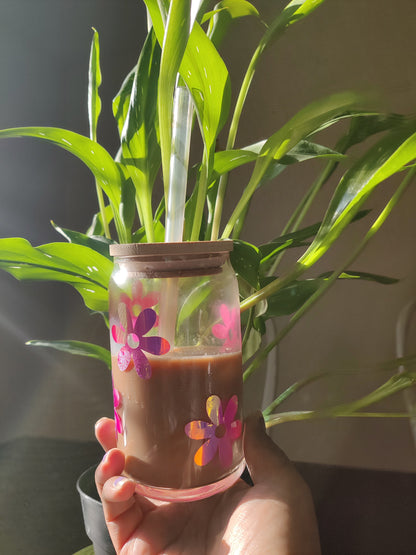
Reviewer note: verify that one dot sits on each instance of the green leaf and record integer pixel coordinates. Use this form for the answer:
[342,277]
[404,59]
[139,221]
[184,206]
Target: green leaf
[368,124]
[289,240]
[204,73]
[137,103]
[98,243]
[224,14]
[97,226]
[289,299]
[227,160]
[383,366]
[86,270]
[140,236]
[207,79]
[303,124]
[245,259]
[139,135]
[189,215]
[394,385]
[252,344]
[80,348]
[307,150]
[387,157]
[293,12]
[94,81]
[127,207]
[366,276]
[196,296]
[234,8]
[93,155]
[158,14]
[121,102]
[298,238]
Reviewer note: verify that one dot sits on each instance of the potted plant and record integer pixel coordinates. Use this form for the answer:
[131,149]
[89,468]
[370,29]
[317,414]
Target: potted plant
[181,87]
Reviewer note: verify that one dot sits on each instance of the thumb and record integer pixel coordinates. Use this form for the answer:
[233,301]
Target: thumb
[266,462]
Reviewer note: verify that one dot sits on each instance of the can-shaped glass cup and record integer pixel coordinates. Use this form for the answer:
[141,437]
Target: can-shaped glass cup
[176,367]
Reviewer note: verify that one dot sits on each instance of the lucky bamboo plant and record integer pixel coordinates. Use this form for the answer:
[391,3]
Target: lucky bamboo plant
[177,96]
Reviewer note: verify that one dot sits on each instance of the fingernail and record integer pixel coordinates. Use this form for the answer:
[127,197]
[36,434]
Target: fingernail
[119,482]
[105,457]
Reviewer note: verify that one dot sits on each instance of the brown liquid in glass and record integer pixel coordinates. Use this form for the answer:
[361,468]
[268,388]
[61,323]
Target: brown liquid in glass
[156,411]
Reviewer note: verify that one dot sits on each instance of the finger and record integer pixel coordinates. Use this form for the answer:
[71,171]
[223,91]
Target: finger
[122,507]
[109,470]
[111,465]
[105,433]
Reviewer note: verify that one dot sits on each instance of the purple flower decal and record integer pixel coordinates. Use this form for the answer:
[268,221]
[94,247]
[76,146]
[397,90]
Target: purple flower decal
[229,331]
[219,433]
[132,337]
[117,404]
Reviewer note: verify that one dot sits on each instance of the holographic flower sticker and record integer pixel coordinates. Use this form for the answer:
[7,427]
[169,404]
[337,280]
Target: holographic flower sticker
[132,337]
[229,331]
[117,404]
[220,433]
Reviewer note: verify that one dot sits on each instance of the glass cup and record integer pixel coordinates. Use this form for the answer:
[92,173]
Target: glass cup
[176,367]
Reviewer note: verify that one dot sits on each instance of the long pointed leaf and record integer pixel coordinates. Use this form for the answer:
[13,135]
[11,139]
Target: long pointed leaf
[97,243]
[365,276]
[224,14]
[387,157]
[227,160]
[94,81]
[139,134]
[93,155]
[121,101]
[81,267]
[270,250]
[207,79]
[289,299]
[304,123]
[73,347]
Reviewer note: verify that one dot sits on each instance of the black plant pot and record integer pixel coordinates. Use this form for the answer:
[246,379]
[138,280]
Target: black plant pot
[92,510]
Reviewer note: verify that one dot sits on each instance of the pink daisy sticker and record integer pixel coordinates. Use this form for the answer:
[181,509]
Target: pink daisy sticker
[132,337]
[219,434]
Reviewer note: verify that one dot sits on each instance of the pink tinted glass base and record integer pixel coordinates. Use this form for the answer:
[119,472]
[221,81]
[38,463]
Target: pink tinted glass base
[191,494]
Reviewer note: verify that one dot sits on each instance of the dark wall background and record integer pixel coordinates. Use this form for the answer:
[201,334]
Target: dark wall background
[44,49]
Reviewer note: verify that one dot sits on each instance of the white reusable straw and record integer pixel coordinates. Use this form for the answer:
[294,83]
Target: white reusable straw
[178,178]
[179,159]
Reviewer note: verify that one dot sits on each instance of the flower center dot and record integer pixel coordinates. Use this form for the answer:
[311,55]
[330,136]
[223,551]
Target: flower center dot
[220,431]
[133,341]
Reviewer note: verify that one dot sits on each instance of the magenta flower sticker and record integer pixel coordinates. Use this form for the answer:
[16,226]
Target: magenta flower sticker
[229,330]
[219,434]
[117,404]
[132,337]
